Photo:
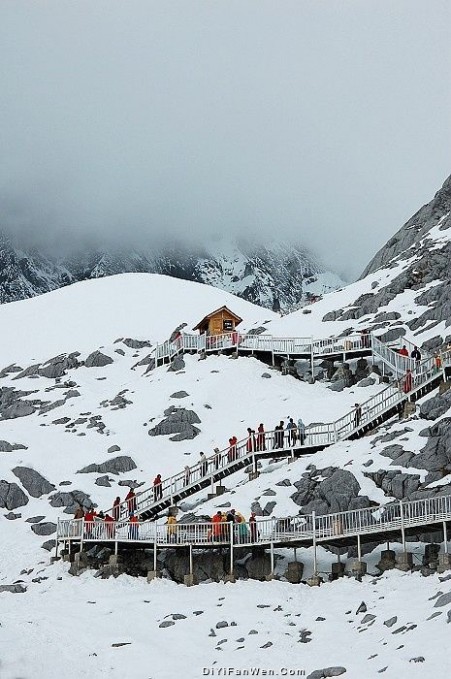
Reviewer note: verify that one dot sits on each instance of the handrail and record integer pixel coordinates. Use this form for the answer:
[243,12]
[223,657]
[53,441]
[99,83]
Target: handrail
[248,450]
[300,528]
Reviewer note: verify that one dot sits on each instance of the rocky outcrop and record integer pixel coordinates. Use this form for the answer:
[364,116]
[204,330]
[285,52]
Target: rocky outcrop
[179,422]
[6,447]
[71,501]
[46,528]
[97,360]
[116,465]
[338,492]
[35,484]
[436,406]
[11,496]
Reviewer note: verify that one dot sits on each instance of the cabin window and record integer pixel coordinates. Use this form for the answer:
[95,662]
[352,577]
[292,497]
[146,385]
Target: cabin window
[227,325]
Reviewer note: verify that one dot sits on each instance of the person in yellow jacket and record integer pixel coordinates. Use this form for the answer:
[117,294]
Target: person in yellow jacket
[172,528]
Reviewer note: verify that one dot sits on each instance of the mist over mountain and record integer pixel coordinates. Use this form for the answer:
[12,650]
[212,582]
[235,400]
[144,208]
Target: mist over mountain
[278,275]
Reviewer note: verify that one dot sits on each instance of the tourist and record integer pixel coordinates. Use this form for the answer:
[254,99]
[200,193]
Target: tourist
[407,382]
[253,527]
[357,415]
[187,475]
[117,509]
[130,499]
[261,439]
[301,431]
[416,355]
[250,443]
[172,528]
[109,526]
[157,488]
[203,464]
[217,458]
[217,525]
[404,351]
[133,528]
[292,432]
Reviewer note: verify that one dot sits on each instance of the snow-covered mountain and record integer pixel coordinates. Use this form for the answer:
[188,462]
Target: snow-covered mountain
[404,291]
[77,402]
[279,276]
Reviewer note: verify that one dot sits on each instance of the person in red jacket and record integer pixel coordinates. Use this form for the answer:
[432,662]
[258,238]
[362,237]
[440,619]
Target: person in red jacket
[408,382]
[250,443]
[157,488]
[404,351]
[117,509]
[133,528]
[130,499]
[261,441]
[109,526]
[89,522]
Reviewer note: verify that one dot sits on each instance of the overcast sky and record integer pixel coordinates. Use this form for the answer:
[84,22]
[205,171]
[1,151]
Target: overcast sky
[324,121]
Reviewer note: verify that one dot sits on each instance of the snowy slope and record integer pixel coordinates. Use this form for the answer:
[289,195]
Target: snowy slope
[70,624]
[92,313]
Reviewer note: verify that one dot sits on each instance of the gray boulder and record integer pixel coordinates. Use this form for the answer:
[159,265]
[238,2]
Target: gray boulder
[136,344]
[116,465]
[177,364]
[113,449]
[97,360]
[33,482]
[11,496]
[436,455]
[46,528]
[179,394]
[366,382]
[335,671]
[338,489]
[57,367]
[6,447]
[103,481]
[71,501]
[18,409]
[17,588]
[34,519]
[259,566]
[178,422]
[436,406]
[48,545]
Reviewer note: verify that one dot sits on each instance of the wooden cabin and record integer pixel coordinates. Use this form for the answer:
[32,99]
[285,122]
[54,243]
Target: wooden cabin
[219,322]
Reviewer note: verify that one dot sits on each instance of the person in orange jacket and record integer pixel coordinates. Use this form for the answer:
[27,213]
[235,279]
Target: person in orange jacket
[217,527]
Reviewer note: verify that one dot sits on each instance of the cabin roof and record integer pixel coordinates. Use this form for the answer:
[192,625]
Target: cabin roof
[214,313]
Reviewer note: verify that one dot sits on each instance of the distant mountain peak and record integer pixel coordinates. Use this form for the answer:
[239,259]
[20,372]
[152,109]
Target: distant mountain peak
[277,275]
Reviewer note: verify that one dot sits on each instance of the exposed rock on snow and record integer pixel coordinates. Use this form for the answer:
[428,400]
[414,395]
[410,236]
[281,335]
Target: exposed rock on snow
[178,421]
[71,501]
[97,360]
[33,482]
[436,406]
[11,496]
[47,528]
[117,465]
[6,447]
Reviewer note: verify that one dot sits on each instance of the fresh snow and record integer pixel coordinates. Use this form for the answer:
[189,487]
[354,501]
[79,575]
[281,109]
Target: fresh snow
[66,624]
